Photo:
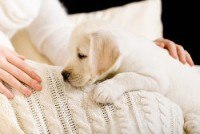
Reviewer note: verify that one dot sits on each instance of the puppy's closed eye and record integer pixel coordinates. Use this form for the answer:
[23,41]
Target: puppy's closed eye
[82,56]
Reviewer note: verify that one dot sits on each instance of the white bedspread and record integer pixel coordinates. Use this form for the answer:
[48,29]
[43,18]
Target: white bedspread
[59,109]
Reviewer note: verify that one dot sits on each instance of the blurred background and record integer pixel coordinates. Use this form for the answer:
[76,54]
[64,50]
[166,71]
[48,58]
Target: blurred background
[180,19]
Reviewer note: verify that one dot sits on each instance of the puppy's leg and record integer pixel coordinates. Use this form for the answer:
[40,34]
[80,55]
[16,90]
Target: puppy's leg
[110,90]
[192,123]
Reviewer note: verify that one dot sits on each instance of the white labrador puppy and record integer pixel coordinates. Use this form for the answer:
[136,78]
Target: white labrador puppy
[98,50]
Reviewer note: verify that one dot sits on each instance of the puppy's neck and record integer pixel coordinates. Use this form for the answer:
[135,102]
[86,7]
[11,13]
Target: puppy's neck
[112,71]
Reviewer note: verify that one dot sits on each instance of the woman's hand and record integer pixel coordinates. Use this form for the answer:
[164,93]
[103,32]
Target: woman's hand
[175,50]
[13,71]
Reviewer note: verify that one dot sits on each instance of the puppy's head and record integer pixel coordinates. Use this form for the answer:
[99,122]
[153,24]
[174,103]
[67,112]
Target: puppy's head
[91,56]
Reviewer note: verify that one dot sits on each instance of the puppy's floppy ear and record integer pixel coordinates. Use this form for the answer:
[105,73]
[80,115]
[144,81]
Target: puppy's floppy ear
[104,51]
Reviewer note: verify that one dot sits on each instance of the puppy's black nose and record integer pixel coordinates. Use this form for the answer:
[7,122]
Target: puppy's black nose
[65,75]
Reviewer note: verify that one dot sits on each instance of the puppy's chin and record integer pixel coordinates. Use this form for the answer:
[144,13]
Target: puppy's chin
[76,84]
[82,83]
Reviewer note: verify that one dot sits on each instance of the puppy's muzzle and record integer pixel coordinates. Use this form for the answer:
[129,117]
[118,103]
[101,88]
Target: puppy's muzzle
[65,75]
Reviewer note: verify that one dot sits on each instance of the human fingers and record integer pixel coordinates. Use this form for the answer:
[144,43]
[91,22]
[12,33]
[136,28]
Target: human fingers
[5,91]
[23,66]
[20,75]
[13,82]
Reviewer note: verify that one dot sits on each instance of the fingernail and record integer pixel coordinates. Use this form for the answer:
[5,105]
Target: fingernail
[27,92]
[38,79]
[176,57]
[23,57]
[11,96]
[184,61]
[193,64]
[38,87]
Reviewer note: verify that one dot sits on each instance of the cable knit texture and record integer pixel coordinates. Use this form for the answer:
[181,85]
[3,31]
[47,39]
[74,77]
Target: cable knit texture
[59,108]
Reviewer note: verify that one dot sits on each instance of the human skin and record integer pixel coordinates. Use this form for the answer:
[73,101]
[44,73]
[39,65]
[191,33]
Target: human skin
[14,71]
[175,50]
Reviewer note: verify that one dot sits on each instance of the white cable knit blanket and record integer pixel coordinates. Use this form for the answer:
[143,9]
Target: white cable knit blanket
[61,109]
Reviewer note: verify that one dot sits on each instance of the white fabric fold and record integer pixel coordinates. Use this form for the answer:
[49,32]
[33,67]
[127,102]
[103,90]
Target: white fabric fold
[50,31]
[17,14]
[60,108]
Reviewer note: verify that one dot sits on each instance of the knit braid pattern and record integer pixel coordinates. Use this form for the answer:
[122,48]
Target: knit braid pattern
[62,109]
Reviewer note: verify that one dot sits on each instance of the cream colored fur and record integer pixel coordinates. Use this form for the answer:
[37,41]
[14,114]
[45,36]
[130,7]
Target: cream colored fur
[137,64]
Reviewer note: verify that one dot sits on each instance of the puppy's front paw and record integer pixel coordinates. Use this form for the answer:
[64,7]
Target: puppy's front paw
[192,122]
[107,92]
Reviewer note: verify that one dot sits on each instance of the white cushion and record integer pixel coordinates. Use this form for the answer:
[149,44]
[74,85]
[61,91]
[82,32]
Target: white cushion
[143,18]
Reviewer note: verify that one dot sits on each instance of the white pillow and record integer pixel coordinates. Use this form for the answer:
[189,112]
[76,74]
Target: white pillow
[143,18]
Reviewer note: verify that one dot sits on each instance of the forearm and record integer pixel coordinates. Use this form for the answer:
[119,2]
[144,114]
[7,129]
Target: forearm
[50,31]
